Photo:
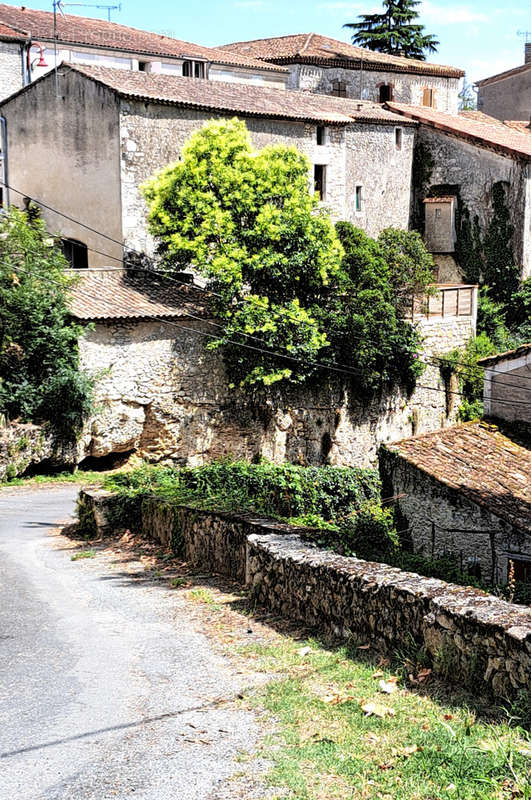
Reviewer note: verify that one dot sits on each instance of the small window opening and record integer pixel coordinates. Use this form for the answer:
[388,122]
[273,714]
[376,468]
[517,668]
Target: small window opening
[321,135]
[385,93]
[319,181]
[398,138]
[193,69]
[76,253]
[428,97]
[358,199]
[339,88]
[143,65]
[522,570]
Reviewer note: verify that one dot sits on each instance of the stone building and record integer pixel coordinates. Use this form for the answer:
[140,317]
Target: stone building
[465,156]
[161,394]
[110,130]
[27,51]
[329,66]
[507,386]
[464,492]
[507,95]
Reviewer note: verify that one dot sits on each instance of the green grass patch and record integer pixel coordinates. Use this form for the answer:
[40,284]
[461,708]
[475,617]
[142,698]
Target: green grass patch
[338,735]
[79,477]
[83,554]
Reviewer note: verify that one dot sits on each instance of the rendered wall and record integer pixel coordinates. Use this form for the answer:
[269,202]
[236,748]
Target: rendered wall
[10,69]
[507,98]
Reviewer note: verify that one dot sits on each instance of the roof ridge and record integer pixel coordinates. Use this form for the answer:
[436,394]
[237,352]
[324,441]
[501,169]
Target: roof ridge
[306,43]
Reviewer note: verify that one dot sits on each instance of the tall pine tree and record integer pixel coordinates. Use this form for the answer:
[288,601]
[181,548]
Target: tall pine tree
[395,31]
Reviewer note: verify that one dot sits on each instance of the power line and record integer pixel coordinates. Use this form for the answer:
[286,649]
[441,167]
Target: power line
[183,283]
[275,354]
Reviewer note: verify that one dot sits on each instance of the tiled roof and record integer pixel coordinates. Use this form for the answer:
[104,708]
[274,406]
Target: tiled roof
[508,355]
[518,125]
[10,33]
[112,293]
[501,75]
[480,462]
[447,199]
[494,135]
[522,126]
[314,48]
[112,36]
[238,98]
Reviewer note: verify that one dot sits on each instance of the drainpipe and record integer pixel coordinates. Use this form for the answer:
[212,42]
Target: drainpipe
[3,163]
[26,71]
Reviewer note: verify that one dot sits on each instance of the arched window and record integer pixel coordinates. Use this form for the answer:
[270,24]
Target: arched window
[76,253]
[385,92]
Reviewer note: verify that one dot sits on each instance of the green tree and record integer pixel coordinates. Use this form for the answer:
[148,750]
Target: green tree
[40,378]
[394,31]
[247,221]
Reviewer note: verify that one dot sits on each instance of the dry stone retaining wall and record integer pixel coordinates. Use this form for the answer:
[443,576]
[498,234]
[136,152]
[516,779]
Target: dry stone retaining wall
[470,636]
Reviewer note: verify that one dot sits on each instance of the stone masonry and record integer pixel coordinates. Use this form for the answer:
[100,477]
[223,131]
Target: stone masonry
[10,68]
[469,636]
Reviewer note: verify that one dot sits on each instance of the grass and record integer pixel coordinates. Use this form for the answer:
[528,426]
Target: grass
[80,476]
[338,735]
[83,554]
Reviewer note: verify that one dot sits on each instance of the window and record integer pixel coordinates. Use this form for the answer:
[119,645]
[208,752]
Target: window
[76,253]
[143,65]
[321,135]
[428,97]
[339,88]
[358,199]
[193,69]
[522,570]
[319,181]
[385,92]
[398,138]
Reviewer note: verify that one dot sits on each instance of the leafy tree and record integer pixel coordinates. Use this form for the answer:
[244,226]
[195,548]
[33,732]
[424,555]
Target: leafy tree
[40,379]
[394,31]
[248,222]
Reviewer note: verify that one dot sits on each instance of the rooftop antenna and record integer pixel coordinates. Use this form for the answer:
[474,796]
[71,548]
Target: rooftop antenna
[527,34]
[108,9]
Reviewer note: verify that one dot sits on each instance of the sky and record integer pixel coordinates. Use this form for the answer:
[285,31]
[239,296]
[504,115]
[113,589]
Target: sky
[480,37]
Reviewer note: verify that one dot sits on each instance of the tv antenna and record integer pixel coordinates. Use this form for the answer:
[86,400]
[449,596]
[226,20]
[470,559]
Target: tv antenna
[58,6]
[527,34]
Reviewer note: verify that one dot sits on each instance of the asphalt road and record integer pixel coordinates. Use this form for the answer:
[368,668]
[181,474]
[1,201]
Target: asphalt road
[106,690]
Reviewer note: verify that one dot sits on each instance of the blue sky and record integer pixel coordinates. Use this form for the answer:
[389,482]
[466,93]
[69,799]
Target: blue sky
[480,37]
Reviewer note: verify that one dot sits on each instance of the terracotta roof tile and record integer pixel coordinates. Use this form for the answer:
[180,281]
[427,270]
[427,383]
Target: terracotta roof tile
[314,48]
[519,125]
[494,134]
[523,350]
[479,461]
[112,293]
[236,98]
[448,199]
[112,36]
[7,32]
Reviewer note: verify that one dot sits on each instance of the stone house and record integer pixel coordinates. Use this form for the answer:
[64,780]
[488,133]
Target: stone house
[329,66]
[465,156]
[507,386]
[27,51]
[110,130]
[507,95]
[464,492]
[163,395]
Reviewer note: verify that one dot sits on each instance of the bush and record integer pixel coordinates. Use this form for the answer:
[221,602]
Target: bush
[368,533]
[285,491]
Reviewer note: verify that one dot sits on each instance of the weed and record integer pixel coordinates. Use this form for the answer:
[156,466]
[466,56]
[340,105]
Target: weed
[175,583]
[83,554]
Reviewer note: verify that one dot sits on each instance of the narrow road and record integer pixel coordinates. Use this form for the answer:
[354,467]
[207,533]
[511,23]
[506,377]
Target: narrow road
[106,690]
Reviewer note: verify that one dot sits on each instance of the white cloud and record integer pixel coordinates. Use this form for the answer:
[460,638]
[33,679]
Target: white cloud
[451,15]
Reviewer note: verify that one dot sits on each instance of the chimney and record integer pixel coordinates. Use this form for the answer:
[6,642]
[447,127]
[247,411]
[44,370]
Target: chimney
[527,53]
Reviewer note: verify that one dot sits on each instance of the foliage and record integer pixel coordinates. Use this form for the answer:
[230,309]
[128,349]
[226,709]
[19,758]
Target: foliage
[247,221]
[283,491]
[467,97]
[463,363]
[500,272]
[368,534]
[40,377]
[289,298]
[394,31]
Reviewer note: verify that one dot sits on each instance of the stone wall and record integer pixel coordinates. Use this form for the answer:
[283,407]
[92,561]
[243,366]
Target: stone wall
[474,170]
[365,84]
[10,68]
[469,636]
[152,136]
[25,445]
[484,538]
[162,394]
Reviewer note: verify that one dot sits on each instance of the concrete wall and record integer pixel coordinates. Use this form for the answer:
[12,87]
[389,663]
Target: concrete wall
[65,152]
[153,136]
[507,98]
[164,395]
[474,170]
[364,84]
[10,68]
[506,390]
[427,499]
